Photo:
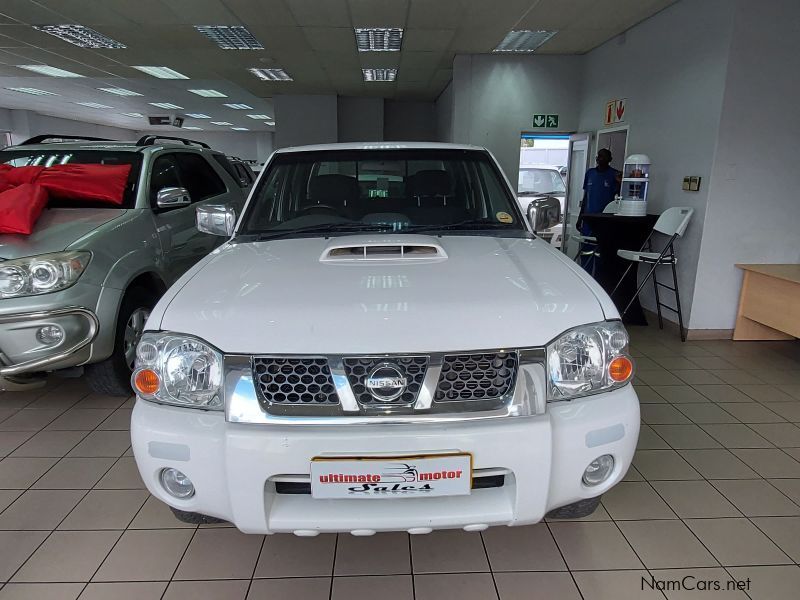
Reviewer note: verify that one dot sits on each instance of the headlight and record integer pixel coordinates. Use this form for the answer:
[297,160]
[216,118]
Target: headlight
[588,359]
[41,274]
[178,369]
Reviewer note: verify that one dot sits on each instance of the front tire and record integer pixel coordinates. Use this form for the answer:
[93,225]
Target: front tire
[112,376]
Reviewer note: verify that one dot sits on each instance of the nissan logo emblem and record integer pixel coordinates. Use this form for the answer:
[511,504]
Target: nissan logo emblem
[386,382]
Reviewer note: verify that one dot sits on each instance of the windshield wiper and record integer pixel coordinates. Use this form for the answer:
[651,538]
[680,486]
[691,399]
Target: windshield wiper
[324,228]
[472,224]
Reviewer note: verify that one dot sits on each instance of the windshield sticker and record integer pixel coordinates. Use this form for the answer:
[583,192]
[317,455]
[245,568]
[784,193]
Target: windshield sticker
[504,217]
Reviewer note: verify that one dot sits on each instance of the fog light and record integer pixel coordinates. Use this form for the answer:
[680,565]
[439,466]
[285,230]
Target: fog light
[598,470]
[177,484]
[50,334]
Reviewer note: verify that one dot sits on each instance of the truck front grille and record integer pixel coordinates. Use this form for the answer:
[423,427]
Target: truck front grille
[297,381]
[358,369]
[467,377]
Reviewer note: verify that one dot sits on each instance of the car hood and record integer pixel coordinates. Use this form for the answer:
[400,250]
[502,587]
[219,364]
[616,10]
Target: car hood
[280,297]
[56,229]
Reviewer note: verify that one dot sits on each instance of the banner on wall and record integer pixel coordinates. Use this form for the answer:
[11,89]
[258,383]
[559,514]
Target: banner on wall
[615,111]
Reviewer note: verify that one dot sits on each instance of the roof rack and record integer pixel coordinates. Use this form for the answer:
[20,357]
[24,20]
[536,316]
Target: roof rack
[150,140]
[41,139]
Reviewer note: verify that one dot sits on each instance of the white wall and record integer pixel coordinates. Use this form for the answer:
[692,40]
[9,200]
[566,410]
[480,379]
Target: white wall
[360,119]
[671,68]
[753,213]
[444,115]
[248,145]
[24,124]
[305,119]
[495,98]
[409,121]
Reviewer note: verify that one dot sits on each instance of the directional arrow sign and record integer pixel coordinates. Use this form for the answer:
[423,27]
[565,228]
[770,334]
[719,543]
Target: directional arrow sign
[539,120]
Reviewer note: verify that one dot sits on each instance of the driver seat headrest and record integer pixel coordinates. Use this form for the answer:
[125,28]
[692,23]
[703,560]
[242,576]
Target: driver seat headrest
[336,190]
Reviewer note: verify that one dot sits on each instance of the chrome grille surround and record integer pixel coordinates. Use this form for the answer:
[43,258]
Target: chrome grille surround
[525,393]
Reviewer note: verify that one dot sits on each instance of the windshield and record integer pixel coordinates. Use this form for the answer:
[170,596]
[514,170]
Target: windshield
[60,156]
[540,181]
[381,190]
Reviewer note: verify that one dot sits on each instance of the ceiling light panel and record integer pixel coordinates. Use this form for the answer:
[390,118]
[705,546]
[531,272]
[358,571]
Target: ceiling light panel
[260,117]
[379,74]
[134,115]
[524,40]
[198,116]
[161,72]
[220,123]
[239,106]
[378,39]
[209,93]
[271,74]
[82,36]
[230,37]
[33,91]
[165,105]
[119,91]
[48,70]
[240,128]
[94,105]
[190,128]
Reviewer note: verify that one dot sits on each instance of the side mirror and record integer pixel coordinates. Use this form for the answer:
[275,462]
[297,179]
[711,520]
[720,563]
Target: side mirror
[173,197]
[216,219]
[544,213]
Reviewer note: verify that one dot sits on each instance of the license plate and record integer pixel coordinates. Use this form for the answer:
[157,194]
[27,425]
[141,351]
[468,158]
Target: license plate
[392,477]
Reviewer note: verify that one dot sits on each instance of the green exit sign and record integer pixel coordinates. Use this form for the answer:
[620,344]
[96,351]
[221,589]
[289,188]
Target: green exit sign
[545,121]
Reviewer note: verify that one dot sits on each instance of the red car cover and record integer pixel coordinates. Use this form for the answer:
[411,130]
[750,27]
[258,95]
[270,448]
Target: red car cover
[25,191]
[20,207]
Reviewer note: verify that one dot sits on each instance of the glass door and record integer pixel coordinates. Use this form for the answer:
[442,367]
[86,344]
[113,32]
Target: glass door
[576,171]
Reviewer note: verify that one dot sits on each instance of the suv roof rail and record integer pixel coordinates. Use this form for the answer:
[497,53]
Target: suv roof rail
[150,140]
[40,139]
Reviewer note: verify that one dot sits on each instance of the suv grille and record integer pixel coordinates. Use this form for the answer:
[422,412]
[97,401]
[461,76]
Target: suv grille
[476,376]
[294,380]
[358,369]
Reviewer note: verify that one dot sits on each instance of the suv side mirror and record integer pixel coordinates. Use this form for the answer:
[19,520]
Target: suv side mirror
[216,219]
[173,197]
[544,213]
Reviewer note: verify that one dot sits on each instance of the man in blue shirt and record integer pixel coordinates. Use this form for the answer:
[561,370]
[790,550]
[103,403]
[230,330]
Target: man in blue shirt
[600,185]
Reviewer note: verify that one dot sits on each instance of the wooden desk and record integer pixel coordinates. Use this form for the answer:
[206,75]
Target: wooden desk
[769,305]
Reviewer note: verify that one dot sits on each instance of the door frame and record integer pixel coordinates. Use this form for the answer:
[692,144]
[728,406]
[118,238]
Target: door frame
[625,128]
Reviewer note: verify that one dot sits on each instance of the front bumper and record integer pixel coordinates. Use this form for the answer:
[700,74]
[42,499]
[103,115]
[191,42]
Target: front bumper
[21,352]
[235,466]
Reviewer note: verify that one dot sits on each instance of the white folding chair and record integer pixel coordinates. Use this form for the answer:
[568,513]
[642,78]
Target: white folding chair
[587,244]
[672,222]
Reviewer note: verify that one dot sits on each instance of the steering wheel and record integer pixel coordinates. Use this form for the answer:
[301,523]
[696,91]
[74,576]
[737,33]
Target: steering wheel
[326,208]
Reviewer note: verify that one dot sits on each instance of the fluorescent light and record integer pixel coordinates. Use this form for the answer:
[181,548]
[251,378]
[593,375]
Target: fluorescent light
[239,106]
[379,74]
[197,116]
[94,105]
[240,128]
[209,93]
[191,128]
[34,91]
[161,72]
[119,91]
[270,123]
[166,105]
[523,40]
[220,123]
[260,117]
[378,39]
[47,70]
[271,74]
[134,115]
[230,37]
[80,35]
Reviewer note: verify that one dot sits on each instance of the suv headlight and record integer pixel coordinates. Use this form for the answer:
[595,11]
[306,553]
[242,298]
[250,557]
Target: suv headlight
[41,274]
[177,369]
[587,360]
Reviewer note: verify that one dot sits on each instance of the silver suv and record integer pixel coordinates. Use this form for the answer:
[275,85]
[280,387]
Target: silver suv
[78,289]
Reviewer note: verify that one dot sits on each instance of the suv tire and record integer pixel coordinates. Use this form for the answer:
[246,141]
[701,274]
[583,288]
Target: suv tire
[194,518]
[576,510]
[112,376]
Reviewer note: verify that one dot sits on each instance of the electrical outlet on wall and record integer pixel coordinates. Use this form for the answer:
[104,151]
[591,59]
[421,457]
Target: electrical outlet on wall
[691,183]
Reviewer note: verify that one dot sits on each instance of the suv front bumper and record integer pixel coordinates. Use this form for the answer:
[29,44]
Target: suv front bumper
[235,466]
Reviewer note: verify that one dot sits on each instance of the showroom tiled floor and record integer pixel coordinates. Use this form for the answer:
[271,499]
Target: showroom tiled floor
[714,493]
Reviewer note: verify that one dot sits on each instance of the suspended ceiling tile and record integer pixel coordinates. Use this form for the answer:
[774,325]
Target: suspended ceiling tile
[378,13]
[427,40]
[330,39]
[27,11]
[379,60]
[446,14]
[311,13]
[477,41]
[509,12]
[265,13]
[576,41]
[280,38]
[556,14]
[418,60]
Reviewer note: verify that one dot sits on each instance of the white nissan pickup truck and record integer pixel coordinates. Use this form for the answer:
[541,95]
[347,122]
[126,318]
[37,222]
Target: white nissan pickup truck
[383,344]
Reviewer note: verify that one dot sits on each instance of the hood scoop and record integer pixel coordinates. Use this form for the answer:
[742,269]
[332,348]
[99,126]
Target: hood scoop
[382,251]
